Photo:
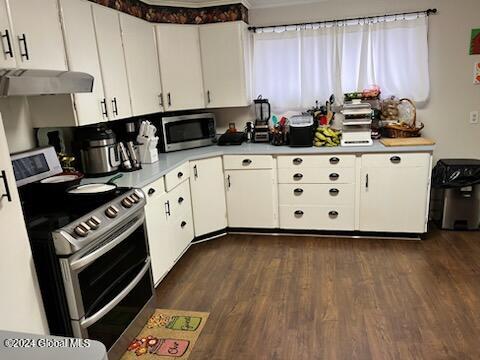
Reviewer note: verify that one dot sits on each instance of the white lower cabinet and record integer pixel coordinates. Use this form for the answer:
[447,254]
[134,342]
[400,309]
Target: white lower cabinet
[251,197]
[394,192]
[308,217]
[208,196]
[169,225]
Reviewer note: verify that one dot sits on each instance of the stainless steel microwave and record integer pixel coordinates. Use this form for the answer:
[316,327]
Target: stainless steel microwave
[186,132]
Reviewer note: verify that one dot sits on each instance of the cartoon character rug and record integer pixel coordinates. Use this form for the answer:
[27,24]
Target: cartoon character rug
[168,334]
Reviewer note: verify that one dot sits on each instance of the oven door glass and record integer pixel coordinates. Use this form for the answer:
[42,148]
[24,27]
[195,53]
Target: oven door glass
[109,328]
[187,130]
[103,279]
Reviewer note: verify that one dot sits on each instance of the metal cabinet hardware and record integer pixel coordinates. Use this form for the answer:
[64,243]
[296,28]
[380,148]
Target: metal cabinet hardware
[333,214]
[115,107]
[195,171]
[7,194]
[396,159]
[180,200]
[104,107]
[209,100]
[334,160]
[151,191]
[334,176]
[246,162]
[183,224]
[23,39]
[298,192]
[228,181]
[160,99]
[334,192]
[169,99]
[297,177]
[180,175]
[299,213]
[297,161]
[9,50]
[366,181]
[167,208]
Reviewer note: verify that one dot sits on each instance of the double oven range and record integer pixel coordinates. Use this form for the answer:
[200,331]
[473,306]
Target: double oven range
[92,262]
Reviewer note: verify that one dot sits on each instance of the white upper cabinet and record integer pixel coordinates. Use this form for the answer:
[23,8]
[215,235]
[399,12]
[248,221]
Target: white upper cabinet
[180,66]
[225,61]
[208,196]
[142,65]
[7,57]
[112,62]
[37,35]
[82,55]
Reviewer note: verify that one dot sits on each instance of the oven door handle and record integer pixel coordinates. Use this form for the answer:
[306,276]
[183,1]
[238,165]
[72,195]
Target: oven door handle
[88,259]
[86,322]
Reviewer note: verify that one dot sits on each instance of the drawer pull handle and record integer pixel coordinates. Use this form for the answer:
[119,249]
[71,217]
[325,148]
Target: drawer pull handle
[180,200]
[167,208]
[180,175]
[297,161]
[298,213]
[246,162]
[334,160]
[334,192]
[334,176]
[333,214]
[151,191]
[297,177]
[183,224]
[396,159]
[298,192]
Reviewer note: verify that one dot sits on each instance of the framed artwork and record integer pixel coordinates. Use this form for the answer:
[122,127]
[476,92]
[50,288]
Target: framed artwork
[475,42]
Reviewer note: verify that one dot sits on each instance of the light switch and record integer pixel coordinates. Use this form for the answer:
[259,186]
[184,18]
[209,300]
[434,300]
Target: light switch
[474,117]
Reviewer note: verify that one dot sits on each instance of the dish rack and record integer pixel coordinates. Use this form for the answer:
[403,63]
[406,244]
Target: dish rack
[356,130]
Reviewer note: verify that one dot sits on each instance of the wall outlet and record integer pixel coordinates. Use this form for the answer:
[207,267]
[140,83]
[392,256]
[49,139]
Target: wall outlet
[474,117]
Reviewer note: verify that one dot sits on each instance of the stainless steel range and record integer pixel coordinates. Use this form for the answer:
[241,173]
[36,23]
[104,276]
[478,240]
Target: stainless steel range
[92,263]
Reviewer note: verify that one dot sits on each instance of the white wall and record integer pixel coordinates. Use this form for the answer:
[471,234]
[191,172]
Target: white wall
[453,94]
[17,123]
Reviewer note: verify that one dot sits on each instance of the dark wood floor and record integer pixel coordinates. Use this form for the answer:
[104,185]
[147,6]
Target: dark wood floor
[316,298]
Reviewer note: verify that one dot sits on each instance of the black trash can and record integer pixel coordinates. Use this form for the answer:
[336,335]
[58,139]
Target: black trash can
[456,194]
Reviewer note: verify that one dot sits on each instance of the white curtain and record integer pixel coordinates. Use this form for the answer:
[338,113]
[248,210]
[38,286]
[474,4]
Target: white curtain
[295,67]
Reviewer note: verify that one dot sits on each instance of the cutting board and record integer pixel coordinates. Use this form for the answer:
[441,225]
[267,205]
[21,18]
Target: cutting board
[416,141]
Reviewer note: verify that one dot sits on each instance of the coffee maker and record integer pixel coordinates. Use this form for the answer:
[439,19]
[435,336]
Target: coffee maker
[262,114]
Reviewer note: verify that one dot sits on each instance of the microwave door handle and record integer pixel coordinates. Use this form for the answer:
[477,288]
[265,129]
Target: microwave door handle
[86,322]
[78,264]
[114,158]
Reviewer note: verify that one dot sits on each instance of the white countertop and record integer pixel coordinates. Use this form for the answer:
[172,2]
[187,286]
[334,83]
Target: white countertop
[167,162]
[46,347]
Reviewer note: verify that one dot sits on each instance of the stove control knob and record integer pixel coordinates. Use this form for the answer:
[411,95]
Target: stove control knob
[82,229]
[127,202]
[93,222]
[111,212]
[135,198]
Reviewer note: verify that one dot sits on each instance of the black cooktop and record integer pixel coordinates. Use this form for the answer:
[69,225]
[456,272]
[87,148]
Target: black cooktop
[45,213]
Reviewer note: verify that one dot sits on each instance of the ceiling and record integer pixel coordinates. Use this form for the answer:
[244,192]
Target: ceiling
[251,4]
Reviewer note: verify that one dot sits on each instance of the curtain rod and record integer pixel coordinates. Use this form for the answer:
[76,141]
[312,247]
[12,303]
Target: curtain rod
[427,12]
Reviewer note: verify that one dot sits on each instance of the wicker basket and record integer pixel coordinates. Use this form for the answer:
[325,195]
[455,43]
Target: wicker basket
[404,131]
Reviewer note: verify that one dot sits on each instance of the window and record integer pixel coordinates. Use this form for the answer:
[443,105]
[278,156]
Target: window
[295,67]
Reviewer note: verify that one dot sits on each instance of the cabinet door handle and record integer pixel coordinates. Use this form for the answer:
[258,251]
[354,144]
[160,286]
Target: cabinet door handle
[297,161]
[297,177]
[115,107]
[195,171]
[298,192]
[151,191]
[160,99]
[396,159]
[180,175]
[169,99]
[7,194]
[23,39]
[246,162]
[366,181]
[228,181]
[183,224]
[333,214]
[180,200]
[334,192]
[167,208]
[209,100]
[299,213]
[334,160]
[9,44]
[334,176]
[104,108]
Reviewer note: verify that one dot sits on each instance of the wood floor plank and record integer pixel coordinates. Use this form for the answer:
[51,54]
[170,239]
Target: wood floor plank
[327,298]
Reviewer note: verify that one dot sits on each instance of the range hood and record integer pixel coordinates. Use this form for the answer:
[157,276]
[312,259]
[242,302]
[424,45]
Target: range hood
[18,82]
